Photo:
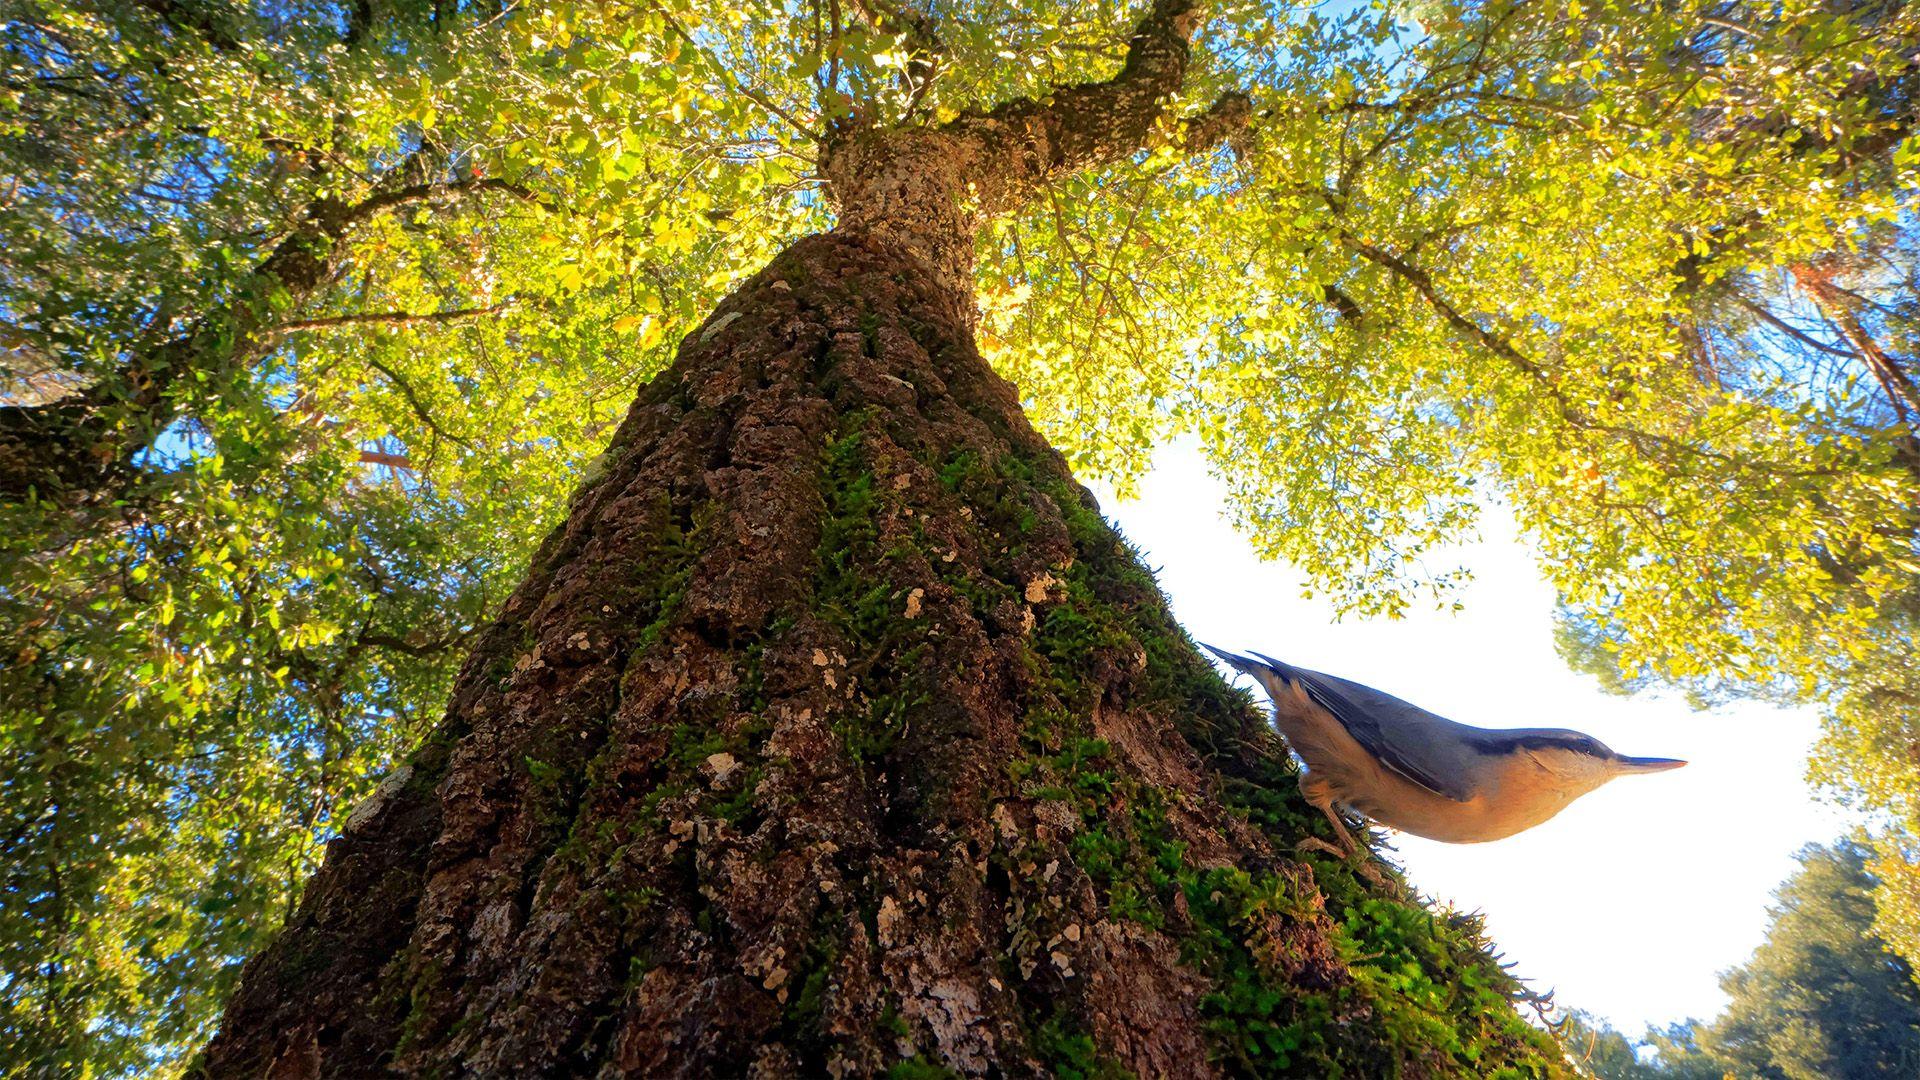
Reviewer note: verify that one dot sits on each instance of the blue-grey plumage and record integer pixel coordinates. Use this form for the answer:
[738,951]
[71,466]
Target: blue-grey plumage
[1422,773]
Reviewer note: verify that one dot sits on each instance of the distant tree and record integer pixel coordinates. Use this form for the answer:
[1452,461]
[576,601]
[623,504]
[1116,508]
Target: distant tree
[1598,1050]
[1823,996]
[1678,1055]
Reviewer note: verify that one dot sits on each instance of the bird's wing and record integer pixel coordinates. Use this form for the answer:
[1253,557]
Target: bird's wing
[1423,747]
[1400,734]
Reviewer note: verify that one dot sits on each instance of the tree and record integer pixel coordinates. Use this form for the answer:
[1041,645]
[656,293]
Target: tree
[1378,266]
[1822,996]
[1597,1050]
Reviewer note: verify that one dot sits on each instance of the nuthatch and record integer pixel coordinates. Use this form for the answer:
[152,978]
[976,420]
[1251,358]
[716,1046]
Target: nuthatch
[1406,768]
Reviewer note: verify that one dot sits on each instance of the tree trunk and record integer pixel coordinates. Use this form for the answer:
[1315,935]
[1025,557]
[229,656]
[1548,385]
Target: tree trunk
[835,733]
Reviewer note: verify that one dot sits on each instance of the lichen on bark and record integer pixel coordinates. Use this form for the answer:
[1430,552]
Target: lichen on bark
[836,733]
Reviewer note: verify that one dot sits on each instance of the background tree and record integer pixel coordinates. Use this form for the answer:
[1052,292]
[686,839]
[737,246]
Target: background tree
[1451,250]
[1597,1050]
[1823,995]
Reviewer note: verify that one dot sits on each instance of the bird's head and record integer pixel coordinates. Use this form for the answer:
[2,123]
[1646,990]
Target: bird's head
[1580,763]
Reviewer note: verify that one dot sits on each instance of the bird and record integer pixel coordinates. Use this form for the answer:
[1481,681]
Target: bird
[1421,773]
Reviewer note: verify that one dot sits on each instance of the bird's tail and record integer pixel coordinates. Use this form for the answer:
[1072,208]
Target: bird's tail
[1268,672]
[1243,664]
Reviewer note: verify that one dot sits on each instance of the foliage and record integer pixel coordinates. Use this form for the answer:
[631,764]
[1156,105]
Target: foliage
[1623,267]
[1822,996]
[208,674]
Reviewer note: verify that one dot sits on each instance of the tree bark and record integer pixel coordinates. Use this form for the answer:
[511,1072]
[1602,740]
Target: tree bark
[833,733]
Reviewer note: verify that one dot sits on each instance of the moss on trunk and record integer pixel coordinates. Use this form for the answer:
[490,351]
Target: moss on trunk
[835,732]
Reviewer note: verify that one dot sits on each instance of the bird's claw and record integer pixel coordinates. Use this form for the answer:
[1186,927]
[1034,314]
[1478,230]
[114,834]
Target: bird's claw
[1314,843]
[1360,859]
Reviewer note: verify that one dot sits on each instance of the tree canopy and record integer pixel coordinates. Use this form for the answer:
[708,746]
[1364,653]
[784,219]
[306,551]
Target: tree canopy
[313,314]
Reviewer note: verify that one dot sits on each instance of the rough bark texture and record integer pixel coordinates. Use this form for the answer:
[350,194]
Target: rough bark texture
[835,733]
[929,189]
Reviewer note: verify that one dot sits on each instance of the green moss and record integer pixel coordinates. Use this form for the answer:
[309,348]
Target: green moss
[1070,1054]
[420,993]
[920,1068]
[809,980]
[808,984]
[1435,1001]
[690,745]
[735,809]
[861,604]
[891,1022]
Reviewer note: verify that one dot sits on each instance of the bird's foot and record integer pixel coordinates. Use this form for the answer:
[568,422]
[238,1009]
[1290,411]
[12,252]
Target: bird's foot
[1358,857]
[1314,843]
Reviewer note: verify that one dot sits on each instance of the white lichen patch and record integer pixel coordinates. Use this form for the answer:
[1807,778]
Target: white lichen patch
[493,928]
[718,325]
[383,794]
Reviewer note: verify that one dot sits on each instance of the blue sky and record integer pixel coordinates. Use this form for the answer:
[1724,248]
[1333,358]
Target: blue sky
[1631,901]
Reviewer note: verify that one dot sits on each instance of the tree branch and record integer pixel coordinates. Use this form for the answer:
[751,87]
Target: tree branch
[1344,304]
[413,402]
[1224,121]
[1647,443]
[734,84]
[391,318]
[383,201]
[391,461]
[414,644]
[1028,142]
[930,188]
[920,30]
[204,23]
[1836,304]
[1760,312]
[74,446]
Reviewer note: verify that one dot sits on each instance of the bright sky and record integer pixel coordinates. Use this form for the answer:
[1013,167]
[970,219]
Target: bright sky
[1630,901]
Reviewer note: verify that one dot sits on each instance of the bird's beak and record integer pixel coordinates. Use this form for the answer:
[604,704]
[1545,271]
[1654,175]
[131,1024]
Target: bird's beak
[1648,764]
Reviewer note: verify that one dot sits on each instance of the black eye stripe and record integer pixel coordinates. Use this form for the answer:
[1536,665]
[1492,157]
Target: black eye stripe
[1579,745]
